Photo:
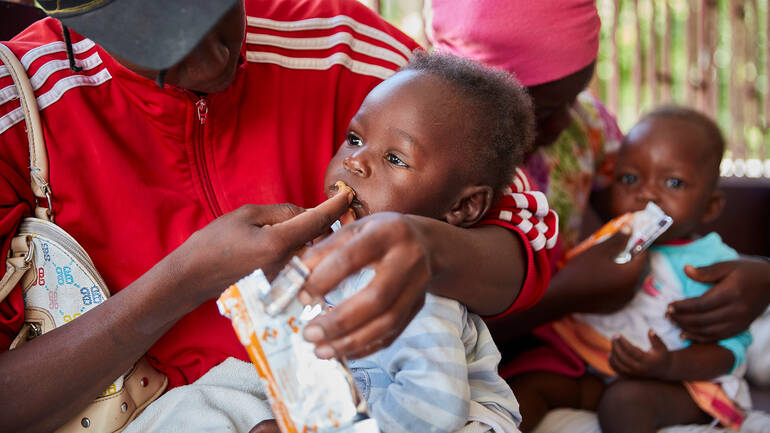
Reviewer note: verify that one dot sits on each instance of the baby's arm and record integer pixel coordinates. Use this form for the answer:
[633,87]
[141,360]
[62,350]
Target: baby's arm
[430,391]
[693,363]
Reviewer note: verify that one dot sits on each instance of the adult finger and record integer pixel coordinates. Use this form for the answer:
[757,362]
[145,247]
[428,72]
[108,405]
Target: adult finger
[325,245]
[369,242]
[388,335]
[693,322]
[268,214]
[372,301]
[713,333]
[341,254]
[709,274]
[377,333]
[312,222]
[711,300]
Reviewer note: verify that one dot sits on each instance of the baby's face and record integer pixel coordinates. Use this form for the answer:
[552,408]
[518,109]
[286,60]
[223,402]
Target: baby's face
[661,161]
[403,149]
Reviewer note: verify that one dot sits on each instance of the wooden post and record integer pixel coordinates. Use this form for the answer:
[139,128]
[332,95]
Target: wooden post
[665,77]
[692,72]
[637,68]
[652,57]
[614,89]
[736,95]
[766,96]
[751,56]
[709,15]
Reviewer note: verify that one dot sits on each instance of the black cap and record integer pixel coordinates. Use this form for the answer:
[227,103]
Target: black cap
[154,34]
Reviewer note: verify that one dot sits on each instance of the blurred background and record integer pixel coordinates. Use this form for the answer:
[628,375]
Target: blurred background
[708,54]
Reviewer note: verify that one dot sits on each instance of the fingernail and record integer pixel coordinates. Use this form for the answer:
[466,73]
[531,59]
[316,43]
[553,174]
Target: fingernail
[324,352]
[670,310]
[313,334]
[342,186]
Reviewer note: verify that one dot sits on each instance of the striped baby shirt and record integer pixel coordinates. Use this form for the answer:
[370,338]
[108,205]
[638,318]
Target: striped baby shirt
[434,375]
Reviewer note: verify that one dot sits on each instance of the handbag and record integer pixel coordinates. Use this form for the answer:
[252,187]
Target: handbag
[60,282]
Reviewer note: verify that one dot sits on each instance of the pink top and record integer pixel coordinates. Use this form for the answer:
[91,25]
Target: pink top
[538,41]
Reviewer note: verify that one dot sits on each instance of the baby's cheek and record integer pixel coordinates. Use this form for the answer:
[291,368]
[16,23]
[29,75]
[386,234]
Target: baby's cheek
[622,201]
[332,171]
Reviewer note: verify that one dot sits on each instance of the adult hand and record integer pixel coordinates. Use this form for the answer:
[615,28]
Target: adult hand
[266,426]
[740,293]
[630,361]
[391,244]
[247,238]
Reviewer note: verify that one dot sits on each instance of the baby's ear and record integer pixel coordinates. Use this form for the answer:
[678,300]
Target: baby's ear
[714,206]
[473,203]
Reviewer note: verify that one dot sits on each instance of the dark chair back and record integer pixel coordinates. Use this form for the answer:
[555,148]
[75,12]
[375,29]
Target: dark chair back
[745,221]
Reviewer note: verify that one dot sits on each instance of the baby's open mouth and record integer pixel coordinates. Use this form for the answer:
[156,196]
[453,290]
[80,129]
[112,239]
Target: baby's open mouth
[356,204]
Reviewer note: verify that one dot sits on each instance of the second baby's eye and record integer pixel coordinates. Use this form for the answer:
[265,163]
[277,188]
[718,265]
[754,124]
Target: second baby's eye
[674,183]
[627,179]
[393,159]
[354,140]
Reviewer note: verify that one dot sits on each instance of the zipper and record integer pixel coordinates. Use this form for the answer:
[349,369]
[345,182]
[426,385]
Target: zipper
[202,112]
[43,229]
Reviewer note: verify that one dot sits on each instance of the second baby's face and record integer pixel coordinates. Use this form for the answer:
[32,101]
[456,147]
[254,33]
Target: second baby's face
[662,161]
[403,150]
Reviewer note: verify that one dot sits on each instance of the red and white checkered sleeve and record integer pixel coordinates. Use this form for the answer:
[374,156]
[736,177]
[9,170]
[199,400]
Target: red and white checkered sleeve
[525,211]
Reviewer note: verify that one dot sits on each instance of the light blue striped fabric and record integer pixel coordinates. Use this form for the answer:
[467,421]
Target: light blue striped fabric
[425,380]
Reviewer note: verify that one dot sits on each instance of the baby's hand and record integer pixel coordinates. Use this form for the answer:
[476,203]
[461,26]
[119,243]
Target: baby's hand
[628,360]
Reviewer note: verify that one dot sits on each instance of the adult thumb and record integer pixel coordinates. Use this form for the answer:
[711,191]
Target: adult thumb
[709,274]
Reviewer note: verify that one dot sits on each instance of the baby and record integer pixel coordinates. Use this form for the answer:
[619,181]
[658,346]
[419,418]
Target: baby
[439,139]
[671,157]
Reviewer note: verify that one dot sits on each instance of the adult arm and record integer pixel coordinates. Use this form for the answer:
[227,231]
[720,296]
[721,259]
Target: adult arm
[498,267]
[590,283]
[740,293]
[410,255]
[101,345]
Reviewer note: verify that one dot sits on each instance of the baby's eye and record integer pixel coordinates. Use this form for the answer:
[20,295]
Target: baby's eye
[674,183]
[393,159]
[354,140]
[628,179]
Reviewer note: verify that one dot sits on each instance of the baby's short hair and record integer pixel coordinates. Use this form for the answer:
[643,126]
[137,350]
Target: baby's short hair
[713,140]
[502,112]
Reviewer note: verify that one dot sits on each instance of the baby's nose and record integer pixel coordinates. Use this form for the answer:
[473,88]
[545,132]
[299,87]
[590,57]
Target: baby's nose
[356,165]
[648,194]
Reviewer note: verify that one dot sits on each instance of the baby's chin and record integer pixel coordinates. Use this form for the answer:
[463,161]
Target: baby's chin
[674,233]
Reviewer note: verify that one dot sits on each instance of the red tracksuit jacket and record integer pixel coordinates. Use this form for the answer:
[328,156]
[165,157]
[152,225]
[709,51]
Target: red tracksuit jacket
[135,170]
